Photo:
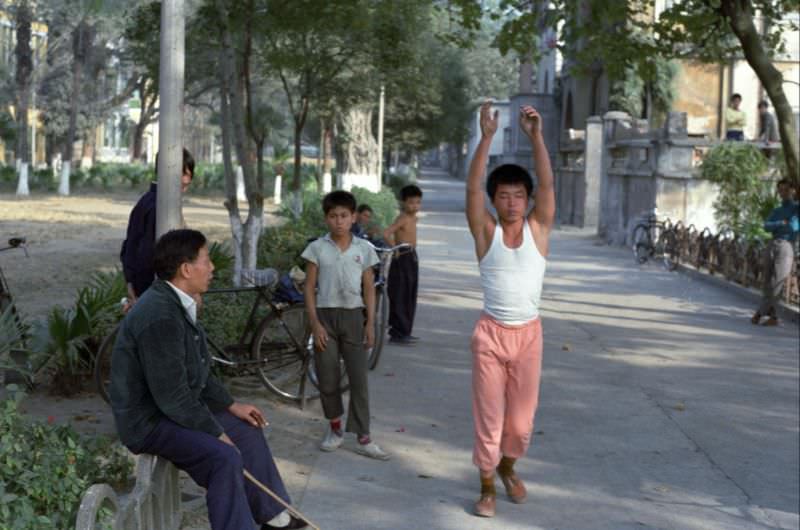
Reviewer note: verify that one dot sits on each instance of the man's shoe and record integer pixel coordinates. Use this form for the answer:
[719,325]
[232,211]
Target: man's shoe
[412,338]
[401,341]
[485,505]
[294,524]
[515,488]
[331,441]
[756,318]
[772,321]
[372,450]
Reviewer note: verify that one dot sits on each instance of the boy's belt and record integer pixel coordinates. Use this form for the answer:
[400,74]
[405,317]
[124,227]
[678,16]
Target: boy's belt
[404,251]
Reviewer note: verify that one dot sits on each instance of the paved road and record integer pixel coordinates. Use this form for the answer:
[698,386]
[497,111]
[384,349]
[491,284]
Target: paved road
[661,405]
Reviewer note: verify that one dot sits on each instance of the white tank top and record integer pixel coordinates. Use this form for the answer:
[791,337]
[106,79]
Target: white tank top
[512,279]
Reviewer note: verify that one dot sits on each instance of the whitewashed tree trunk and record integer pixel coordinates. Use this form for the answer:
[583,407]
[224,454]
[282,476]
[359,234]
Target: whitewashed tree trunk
[326,182]
[240,193]
[278,188]
[361,151]
[63,186]
[22,183]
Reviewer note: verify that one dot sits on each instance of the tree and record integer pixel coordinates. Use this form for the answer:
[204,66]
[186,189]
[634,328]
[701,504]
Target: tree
[620,35]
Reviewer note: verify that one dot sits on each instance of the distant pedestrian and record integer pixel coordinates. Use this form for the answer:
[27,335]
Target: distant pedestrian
[507,341]
[140,239]
[768,126]
[339,287]
[735,120]
[784,224]
[404,272]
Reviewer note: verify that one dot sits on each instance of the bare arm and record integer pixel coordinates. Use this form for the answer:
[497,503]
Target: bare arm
[310,295]
[478,217]
[544,210]
[388,234]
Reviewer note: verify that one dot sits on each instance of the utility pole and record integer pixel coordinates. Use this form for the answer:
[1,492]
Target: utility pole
[380,136]
[170,120]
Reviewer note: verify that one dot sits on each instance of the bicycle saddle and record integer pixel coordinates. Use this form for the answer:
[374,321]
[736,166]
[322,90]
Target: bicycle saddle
[16,241]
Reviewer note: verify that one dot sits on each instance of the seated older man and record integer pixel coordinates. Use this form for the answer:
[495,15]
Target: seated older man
[167,403]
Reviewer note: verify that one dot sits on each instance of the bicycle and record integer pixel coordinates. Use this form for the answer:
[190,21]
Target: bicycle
[277,348]
[14,341]
[648,238]
[385,254]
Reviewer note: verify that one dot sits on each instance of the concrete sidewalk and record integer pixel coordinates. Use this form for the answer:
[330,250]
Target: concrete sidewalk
[661,405]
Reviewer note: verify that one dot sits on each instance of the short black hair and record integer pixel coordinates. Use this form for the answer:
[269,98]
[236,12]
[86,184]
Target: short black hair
[786,182]
[364,208]
[175,248]
[409,191]
[763,103]
[736,95]
[509,174]
[342,198]
[188,162]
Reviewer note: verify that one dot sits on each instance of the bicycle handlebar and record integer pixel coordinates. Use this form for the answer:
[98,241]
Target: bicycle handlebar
[383,250]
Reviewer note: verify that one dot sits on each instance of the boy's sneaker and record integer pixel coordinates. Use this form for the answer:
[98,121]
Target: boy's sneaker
[331,441]
[403,341]
[412,338]
[372,450]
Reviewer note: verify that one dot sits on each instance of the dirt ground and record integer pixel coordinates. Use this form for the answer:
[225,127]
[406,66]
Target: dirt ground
[69,238]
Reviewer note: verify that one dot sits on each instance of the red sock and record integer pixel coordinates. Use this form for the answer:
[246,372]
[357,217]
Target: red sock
[364,439]
[336,426]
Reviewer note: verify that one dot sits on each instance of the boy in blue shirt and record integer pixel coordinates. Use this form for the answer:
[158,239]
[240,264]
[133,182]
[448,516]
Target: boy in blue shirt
[339,285]
[784,224]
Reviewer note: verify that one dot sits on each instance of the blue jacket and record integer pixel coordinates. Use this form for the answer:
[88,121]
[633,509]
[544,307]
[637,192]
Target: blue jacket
[784,221]
[140,241]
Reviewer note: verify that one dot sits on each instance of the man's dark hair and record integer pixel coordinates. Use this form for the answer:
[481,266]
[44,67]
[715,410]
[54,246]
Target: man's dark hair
[410,191]
[364,208]
[736,96]
[786,182]
[175,248]
[509,174]
[763,104]
[342,198]
[188,162]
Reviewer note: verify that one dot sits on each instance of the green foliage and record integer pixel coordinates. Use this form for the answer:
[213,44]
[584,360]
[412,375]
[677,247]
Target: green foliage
[70,336]
[46,468]
[654,78]
[11,334]
[745,197]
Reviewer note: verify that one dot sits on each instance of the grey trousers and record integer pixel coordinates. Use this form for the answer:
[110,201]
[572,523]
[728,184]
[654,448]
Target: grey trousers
[345,329]
[778,267]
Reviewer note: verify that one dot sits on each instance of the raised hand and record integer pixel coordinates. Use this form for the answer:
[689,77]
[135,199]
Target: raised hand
[530,121]
[488,120]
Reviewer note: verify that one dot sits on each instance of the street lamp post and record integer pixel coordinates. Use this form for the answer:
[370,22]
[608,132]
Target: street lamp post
[170,120]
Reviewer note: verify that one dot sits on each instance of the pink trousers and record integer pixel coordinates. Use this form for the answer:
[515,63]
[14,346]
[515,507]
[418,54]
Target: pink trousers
[506,367]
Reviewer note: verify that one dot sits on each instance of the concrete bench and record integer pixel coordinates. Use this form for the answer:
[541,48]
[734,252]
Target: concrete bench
[154,503]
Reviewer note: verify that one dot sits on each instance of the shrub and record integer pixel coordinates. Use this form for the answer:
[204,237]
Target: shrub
[745,196]
[47,468]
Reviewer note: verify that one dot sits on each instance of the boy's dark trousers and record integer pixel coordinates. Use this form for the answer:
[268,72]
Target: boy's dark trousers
[233,502]
[345,329]
[403,281]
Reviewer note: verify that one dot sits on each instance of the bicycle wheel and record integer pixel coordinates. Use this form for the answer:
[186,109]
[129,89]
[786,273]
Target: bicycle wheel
[282,350]
[381,318]
[102,365]
[642,244]
[669,245]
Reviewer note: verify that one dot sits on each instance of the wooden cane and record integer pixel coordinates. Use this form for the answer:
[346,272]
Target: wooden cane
[289,508]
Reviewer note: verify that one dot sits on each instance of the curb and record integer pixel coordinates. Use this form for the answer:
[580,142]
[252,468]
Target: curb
[785,311]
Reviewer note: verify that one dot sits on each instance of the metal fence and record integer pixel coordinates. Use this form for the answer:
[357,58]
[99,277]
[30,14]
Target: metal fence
[731,256]
[154,503]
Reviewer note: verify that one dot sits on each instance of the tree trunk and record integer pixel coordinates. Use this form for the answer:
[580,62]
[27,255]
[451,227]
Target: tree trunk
[361,151]
[233,94]
[77,70]
[740,14]
[24,68]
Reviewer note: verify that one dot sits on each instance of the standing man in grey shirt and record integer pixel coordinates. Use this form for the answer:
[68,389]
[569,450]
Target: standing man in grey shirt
[768,128]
